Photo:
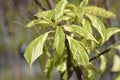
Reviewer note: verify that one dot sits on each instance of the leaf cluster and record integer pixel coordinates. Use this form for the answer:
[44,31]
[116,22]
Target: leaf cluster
[75,26]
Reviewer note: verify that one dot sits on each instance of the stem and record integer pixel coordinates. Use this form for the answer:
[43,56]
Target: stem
[50,4]
[69,63]
[104,52]
[40,5]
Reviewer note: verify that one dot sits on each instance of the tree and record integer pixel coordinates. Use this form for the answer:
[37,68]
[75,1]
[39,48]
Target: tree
[69,36]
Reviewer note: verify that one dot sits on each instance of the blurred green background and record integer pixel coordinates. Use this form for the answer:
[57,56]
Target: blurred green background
[14,37]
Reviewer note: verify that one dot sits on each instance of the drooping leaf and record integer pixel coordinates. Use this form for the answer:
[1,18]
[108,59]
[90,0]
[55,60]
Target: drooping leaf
[78,52]
[84,3]
[81,31]
[62,67]
[86,25]
[49,67]
[47,14]
[35,49]
[59,41]
[59,10]
[110,32]
[116,64]
[35,22]
[103,63]
[99,12]
[98,25]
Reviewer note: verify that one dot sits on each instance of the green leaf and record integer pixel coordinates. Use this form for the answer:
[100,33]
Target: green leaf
[110,32]
[35,49]
[93,72]
[99,12]
[59,10]
[47,14]
[79,13]
[59,41]
[116,64]
[103,63]
[35,22]
[64,18]
[71,6]
[81,31]
[86,25]
[49,67]
[43,60]
[89,45]
[84,3]
[98,25]
[61,67]
[78,52]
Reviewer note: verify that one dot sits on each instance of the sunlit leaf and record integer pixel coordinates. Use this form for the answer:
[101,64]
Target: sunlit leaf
[71,6]
[78,52]
[86,25]
[116,64]
[49,67]
[79,13]
[35,49]
[84,3]
[62,67]
[98,25]
[110,32]
[59,41]
[47,14]
[60,8]
[35,22]
[81,31]
[64,18]
[103,63]
[99,12]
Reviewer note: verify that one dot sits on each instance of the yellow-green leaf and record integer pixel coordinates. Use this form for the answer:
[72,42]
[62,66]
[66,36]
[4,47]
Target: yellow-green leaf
[62,67]
[81,31]
[35,22]
[98,25]
[47,14]
[84,3]
[35,49]
[110,32]
[99,12]
[59,10]
[59,41]
[116,64]
[78,52]
[103,63]
[86,25]
[49,67]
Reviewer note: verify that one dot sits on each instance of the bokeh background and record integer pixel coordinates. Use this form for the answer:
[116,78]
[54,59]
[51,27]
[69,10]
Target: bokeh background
[14,37]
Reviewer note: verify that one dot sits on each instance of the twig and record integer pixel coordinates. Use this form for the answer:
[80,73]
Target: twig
[50,4]
[104,52]
[40,5]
